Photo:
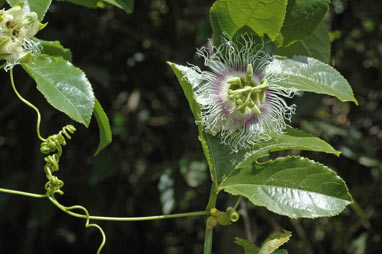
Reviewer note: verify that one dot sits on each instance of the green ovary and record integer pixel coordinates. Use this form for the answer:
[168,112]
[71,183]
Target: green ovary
[247,94]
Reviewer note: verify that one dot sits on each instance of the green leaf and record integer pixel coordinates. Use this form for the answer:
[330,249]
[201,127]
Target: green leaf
[272,243]
[186,76]
[105,136]
[263,17]
[64,86]
[302,18]
[310,75]
[249,248]
[126,5]
[54,48]
[292,186]
[38,6]
[317,45]
[85,3]
[225,163]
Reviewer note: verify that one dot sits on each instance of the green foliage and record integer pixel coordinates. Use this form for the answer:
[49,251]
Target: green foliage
[38,6]
[302,18]
[54,48]
[64,86]
[105,136]
[316,45]
[126,5]
[311,75]
[270,245]
[263,17]
[293,186]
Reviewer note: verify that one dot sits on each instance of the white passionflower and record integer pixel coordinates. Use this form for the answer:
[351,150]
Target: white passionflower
[17,28]
[239,99]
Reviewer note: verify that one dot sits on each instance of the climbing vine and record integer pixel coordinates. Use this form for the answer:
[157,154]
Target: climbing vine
[239,100]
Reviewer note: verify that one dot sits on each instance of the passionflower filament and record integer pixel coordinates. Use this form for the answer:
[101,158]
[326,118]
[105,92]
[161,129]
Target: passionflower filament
[239,99]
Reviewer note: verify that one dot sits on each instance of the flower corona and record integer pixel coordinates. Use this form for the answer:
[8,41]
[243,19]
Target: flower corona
[239,99]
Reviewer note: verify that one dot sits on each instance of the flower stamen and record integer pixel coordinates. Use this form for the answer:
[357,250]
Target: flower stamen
[246,93]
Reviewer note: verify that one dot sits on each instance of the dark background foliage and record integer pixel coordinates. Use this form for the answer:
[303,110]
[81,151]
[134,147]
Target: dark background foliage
[155,162]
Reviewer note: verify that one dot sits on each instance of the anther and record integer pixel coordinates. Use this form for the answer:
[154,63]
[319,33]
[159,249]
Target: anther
[249,73]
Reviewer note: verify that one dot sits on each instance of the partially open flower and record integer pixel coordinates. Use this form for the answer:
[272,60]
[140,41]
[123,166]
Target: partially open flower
[239,99]
[17,27]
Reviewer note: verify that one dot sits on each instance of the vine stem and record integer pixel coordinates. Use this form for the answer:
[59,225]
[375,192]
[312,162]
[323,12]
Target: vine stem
[23,193]
[209,231]
[28,104]
[145,218]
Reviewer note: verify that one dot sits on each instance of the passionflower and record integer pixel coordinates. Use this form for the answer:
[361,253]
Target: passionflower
[17,27]
[239,99]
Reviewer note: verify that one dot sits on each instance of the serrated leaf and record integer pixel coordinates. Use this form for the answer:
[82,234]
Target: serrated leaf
[54,48]
[186,76]
[302,18]
[310,75]
[317,45]
[263,17]
[272,243]
[126,5]
[38,6]
[103,123]
[225,162]
[293,186]
[249,248]
[64,86]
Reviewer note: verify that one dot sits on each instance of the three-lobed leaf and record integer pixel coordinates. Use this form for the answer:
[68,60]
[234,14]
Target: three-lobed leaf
[302,18]
[310,75]
[293,186]
[105,136]
[263,17]
[64,86]
[316,45]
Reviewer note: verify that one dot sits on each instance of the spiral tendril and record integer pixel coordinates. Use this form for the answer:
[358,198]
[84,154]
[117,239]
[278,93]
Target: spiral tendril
[53,144]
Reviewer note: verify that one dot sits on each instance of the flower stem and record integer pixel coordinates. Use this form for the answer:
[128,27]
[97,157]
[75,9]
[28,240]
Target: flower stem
[209,231]
[28,104]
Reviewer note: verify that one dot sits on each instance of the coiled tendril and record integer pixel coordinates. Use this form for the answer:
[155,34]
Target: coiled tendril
[53,144]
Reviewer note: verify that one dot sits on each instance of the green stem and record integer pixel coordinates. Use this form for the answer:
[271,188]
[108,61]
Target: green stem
[237,203]
[209,231]
[157,217]
[28,104]
[22,193]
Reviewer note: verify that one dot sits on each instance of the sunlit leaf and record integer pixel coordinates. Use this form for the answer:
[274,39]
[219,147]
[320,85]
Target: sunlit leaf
[64,86]
[292,186]
[263,17]
[311,75]
[273,242]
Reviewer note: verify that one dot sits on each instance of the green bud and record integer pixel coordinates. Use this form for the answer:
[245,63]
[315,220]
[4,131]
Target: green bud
[232,214]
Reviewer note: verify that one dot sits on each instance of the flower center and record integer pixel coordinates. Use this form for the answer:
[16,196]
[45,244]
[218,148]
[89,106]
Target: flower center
[246,93]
